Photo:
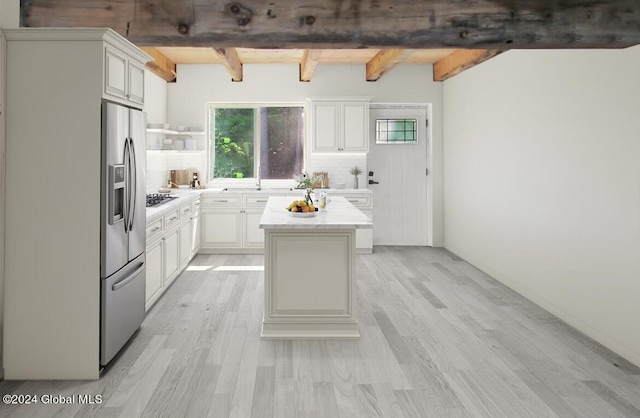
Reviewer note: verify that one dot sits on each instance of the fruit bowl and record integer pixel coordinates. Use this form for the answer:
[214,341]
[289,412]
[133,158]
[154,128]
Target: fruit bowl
[303,214]
[301,209]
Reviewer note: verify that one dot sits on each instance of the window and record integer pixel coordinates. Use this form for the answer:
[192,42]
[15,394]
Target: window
[245,139]
[396,131]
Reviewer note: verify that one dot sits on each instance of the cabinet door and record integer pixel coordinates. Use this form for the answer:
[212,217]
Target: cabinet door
[253,235]
[115,73]
[196,234]
[355,127]
[325,135]
[185,244]
[154,272]
[221,229]
[136,83]
[171,257]
[364,237]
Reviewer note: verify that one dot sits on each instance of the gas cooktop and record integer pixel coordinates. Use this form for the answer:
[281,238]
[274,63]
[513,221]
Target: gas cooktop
[156,199]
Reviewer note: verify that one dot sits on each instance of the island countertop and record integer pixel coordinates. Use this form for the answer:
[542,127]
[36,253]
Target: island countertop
[340,214]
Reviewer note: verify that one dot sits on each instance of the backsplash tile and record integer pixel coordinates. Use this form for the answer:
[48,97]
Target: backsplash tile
[338,167]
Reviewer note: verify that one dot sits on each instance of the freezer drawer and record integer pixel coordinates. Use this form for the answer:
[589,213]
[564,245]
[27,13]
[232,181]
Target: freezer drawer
[122,307]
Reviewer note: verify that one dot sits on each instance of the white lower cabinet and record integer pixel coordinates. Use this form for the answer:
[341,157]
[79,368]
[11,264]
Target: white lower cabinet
[173,239]
[231,221]
[253,236]
[184,234]
[364,202]
[221,228]
[196,234]
[154,272]
[171,256]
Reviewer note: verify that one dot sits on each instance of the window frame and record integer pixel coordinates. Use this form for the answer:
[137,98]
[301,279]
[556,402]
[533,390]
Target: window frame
[387,121]
[251,181]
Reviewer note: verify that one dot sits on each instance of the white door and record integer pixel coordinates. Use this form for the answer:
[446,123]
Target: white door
[400,194]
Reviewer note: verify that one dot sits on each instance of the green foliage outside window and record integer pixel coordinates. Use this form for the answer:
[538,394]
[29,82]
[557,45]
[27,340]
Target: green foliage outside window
[233,136]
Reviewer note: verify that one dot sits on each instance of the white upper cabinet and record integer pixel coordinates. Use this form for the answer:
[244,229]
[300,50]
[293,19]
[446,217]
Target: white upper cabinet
[339,125]
[325,122]
[123,77]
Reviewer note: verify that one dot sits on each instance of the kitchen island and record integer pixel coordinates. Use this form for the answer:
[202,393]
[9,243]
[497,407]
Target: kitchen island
[310,270]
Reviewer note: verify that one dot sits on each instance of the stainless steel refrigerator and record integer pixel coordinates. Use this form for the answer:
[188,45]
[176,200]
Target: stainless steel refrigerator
[123,233]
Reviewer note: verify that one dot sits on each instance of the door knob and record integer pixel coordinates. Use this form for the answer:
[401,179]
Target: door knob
[373,182]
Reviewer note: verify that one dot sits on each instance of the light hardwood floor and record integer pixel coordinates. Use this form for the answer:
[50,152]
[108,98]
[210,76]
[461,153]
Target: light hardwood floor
[439,339]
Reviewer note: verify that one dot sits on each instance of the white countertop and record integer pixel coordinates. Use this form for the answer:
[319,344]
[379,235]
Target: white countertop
[187,195]
[277,191]
[340,214]
[183,196]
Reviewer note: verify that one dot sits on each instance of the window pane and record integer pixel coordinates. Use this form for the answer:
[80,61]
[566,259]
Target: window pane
[281,142]
[268,137]
[396,131]
[233,143]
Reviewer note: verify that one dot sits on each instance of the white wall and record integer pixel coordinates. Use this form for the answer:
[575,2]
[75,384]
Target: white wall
[542,183]
[155,106]
[9,18]
[9,14]
[411,83]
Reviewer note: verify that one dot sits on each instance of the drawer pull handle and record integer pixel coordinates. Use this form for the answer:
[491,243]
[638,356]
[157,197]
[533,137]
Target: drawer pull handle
[173,218]
[354,201]
[187,210]
[197,203]
[221,201]
[261,201]
[155,229]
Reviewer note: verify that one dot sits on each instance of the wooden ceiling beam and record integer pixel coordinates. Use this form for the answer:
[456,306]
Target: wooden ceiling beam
[410,24]
[458,61]
[385,60]
[161,66]
[309,63]
[232,62]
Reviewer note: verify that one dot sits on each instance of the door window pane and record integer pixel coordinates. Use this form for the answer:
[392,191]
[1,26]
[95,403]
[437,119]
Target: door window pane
[396,131]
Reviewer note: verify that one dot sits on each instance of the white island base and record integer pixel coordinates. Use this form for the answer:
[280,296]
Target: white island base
[310,272]
[309,284]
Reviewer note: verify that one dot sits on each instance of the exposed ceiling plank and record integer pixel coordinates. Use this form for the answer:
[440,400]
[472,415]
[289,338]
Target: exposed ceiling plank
[309,63]
[231,62]
[459,61]
[487,24]
[385,60]
[161,66]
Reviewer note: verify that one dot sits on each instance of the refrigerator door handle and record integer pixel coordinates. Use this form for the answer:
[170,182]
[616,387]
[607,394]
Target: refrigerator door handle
[129,279]
[127,182]
[134,181]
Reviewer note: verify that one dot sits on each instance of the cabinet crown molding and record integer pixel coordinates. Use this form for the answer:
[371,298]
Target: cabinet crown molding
[78,34]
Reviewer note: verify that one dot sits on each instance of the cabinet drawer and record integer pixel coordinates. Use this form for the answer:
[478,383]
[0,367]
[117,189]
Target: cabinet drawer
[154,230]
[195,206]
[255,201]
[171,219]
[358,200]
[185,211]
[222,201]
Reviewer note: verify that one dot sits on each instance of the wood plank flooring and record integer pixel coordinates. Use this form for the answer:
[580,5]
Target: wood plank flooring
[439,339]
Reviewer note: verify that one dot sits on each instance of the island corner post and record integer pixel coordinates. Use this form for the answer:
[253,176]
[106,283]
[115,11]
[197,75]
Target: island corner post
[310,288]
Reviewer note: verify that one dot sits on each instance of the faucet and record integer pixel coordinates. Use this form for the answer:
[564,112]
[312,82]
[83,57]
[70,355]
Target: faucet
[258,181]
